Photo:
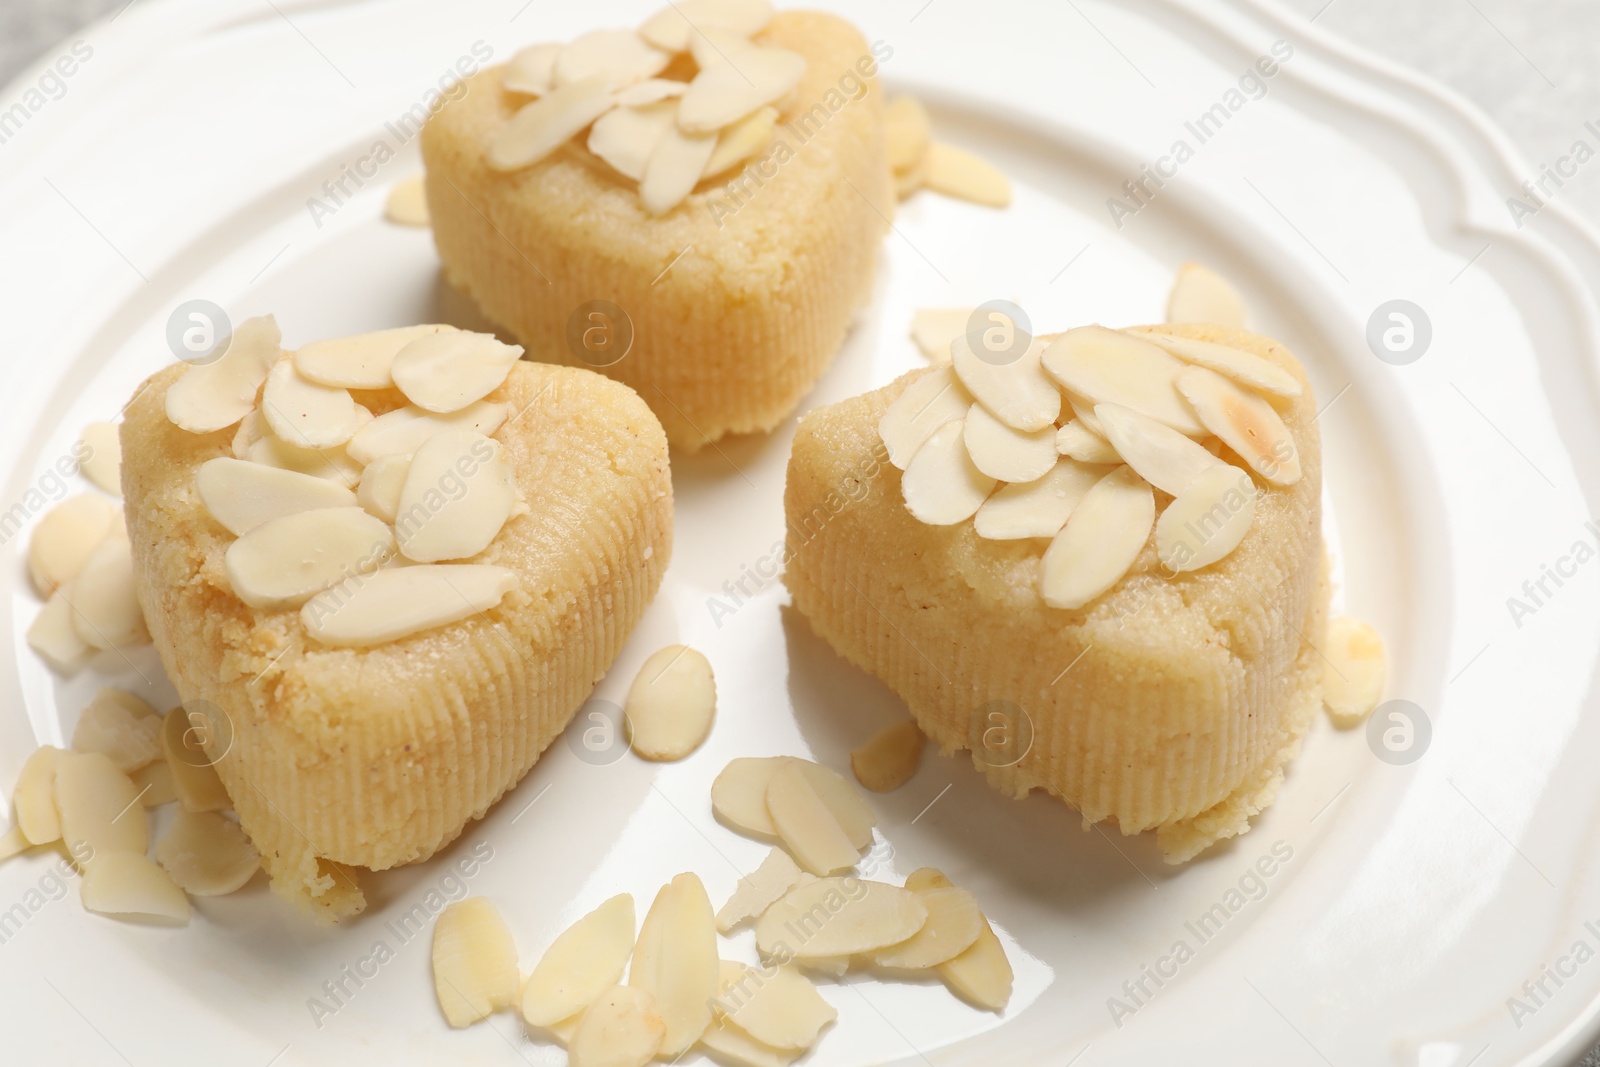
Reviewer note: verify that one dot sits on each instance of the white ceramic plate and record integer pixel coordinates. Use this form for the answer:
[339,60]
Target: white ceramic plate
[1415,901]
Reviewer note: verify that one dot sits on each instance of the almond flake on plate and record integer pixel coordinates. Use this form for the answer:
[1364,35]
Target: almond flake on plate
[742,140]
[982,974]
[583,961]
[732,1045]
[547,123]
[1200,294]
[53,635]
[941,485]
[907,132]
[33,799]
[671,703]
[739,795]
[856,916]
[106,612]
[532,70]
[1076,441]
[675,961]
[651,91]
[242,495]
[215,395]
[128,883]
[933,329]
[306,413]
[155,783]
[474,961]
[1106,367]
[1101,540]
[932,400]
[778,1006]
[1038,508]
[444,372]
[1246,368]
[393,603]
[627,137]
[956,172]
[100,809]
[120,726]
[675,167]
[953,925]
[1207,519]
[432,526]
[749,78]
[890,758]
[404,430]
[361,361]
[284,562]
[381,485]
[1017,393]
[1353,676]
[66,537]
[102,461]
[757,890]
[407,203]
[194,777]
[671,27]
[805,824]
[617,58]
[206,854]
[1157,453]
[624,1027]
[1245,422]
[1006,454]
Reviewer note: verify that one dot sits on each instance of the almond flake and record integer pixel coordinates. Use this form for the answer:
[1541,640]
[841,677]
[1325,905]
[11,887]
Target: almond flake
[120,726]
[206,854]
[1207,520]
[242,495]
[474,961]
[532,70]
[671,27]
[777,1006]
[546,124]
[616,58]
[1016,393]
[733,1045]
[956,172]
[155,783]
[907,131]
[933,329]
[194,777]
[433,525]
[381,484]
[909,181]
[1083,412]
[1352,679]
[889,760]
[805,824]
[562,1031]
[651,91]
[100,809]
[1077,441]
[106,610]
[624,1027]
[102,462]
[675,961]
[127,883]
[33,801]
[671,703]
[215,395]
[675,167]
[839,917]
[1103,537]
[929,402]
[390,604]
[407,204]
[583,961]
[627,137]
[331,464]
[361,361]
[404,430]
[54,636]
[836,966]
[1106,367]
[66,537]
[1157,453]
[1006,454]
[953,924]
[284,562]
[1039,508]
[758,890]
[1202,295]
[742,140]
[749,77]
[941,485]
[1245,422]
[982,975]
[305,413]
[1246,368]
[739,795]
[444,372]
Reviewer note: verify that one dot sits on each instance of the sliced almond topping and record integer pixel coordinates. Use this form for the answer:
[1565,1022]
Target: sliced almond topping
[1202,295]
[331,464]
[671,27]
[361,361]
[627,137]
[474,961]
[381,484]
[675,167]
[742,140]
[66,537]
[651,91]
[1107,367]
[215,395]
[806,826]
[757,890]
[532,70]
[106,611]
[458,493]
[242,495]
[748,77]
[1006,454]
[777,1006]
[404,430]
[954,923]
[546,124]
[54,636]
[624,1027]
[733,1045]
[155,785]
[127,883]
[583,961]
[956,172]
[1017,393]
[933,329]
[1246,368]
[284,562]
[888,761]
[1105,534]
[1077,441]
[675,961]
[616,58]
[120,726]
[839,917]
[390,604]
[1352,680]
[33,802]
[1245,422]
[1039,508]
[1157,453]
[194,777]
[941,485]
[206,854]
[907,131]
[929,402]
[100,809]
[444,372]
[671,704]
[306,413]
[102,462]
[739,795]
[1207,520]
[407,204]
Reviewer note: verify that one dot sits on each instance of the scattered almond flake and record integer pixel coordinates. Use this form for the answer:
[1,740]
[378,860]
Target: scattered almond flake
[332,464]
[671,703]
[889,760]
[546,124]
[839,917]
[1083,412]
[305,413]
[651,91]
[1157,453]
[671,27]
[739,795]
[1207,520]
[1106,367]
[394,603]
[120,726]
[1246,368]
[102,462]
[953,925]
[12,843]
[242,495]
[361,361]
[675,167]
[1077,441]
[194,778]
[941,485]
[100,809]
[956,172]
[1202,295]
[843,799]
[206,854]
[381,483]
[627,137]
[582,962]
[106,611]
[1006,454]
[733,1045]
[154,783]
[1016,393]
[616,58]
[837,966]
[432,526]
[562,1031]
[742,140]
[407,204]
[982,975]
[66,537]
[404,430]
[532,70]
[806,826]
[1353,677]
[445,372]
[757,890]
[924,878]
[675,961]
[778,1006]
[215,395]
[53,635]
[907,132]
[129,884]
[284,562]
[1102,538]
[933,329]
[33,801]
[1245,422]
[1039,508]
[624,1027]
[751,77]
[928,403]
[474,961]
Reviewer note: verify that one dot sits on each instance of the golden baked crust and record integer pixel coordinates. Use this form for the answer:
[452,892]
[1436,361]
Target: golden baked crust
[774,262]
[1191,692]
[372,757]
